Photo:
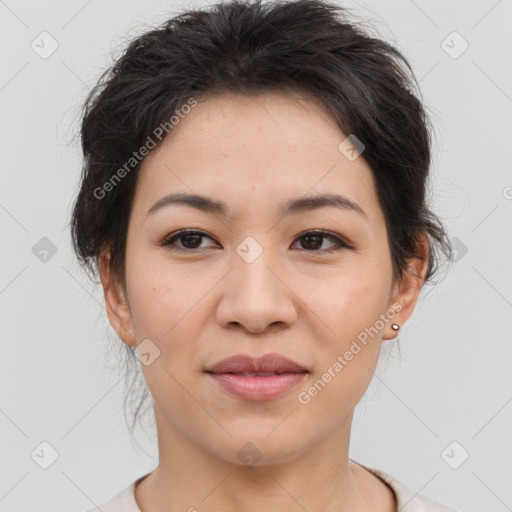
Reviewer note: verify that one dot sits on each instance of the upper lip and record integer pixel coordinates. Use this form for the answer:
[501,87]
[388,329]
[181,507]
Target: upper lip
[268,363]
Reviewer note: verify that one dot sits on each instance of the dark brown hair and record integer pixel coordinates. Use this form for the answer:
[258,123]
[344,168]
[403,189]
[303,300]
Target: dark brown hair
[307,46]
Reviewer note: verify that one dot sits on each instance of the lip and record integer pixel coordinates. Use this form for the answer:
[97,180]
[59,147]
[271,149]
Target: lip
[282,375]
[268,363]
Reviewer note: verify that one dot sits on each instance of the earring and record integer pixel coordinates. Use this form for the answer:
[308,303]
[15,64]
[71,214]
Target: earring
[395,327]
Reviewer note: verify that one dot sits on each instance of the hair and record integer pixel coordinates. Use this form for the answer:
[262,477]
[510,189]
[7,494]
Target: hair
[306,46]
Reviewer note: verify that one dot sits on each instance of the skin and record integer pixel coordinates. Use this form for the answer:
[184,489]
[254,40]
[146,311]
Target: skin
[205,302]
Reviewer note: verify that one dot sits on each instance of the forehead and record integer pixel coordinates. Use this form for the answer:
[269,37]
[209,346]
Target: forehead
[255,147]
[281,117]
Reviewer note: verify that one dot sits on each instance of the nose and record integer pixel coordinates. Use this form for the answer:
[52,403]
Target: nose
[256,297]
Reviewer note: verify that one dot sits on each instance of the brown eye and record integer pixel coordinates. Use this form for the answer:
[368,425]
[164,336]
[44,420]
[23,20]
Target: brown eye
[312,241]
[185,240]
[191,241]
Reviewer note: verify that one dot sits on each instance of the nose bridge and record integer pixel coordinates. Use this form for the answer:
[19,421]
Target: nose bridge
[253,276]
[255,295]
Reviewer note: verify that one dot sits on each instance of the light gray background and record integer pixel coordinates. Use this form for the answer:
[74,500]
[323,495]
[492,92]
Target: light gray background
[451,380]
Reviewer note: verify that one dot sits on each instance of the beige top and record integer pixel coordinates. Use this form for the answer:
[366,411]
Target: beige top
[407,500]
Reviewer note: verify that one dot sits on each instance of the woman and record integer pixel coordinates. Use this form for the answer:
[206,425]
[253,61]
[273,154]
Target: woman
[253,198]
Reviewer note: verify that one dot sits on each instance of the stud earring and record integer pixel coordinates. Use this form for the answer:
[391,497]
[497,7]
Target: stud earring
[395,327]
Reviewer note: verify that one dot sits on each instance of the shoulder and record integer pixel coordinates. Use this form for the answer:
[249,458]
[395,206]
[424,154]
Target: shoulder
[408,500]
[123,501]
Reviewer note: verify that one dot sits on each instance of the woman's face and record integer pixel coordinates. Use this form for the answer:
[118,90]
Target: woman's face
[254,282]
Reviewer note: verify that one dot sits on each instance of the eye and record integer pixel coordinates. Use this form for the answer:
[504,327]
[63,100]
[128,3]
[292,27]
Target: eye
[312,241]
[189,240]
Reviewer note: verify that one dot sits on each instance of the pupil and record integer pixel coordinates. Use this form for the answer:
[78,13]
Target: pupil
[196,238]
[313,237]
[191,241]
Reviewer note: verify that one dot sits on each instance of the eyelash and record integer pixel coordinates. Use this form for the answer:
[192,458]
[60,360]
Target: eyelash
[169,241]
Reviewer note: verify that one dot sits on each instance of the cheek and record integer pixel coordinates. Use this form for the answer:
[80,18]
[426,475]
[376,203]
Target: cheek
[168,316]
[171,313]
[347,305]
[162,300]
[348,354]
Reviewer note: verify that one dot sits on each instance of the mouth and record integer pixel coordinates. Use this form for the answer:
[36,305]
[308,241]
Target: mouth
[262,378]
[258,386]
[253,374]
[266,364]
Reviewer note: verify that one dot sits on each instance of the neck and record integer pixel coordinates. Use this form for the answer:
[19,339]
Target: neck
[321,479]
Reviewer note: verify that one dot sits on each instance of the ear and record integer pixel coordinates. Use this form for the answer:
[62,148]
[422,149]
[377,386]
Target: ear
[118,309]
[407,288]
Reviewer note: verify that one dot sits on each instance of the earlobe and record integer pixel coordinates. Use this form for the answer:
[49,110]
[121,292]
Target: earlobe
[117,307]
[407,289]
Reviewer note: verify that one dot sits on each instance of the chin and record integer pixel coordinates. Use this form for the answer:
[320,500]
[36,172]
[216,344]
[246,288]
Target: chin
[254,447]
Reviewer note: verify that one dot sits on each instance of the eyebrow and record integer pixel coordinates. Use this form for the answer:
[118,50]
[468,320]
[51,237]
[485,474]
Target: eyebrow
[299,205]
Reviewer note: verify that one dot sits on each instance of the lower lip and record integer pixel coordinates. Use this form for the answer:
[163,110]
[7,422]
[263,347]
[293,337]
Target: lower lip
[257,387]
